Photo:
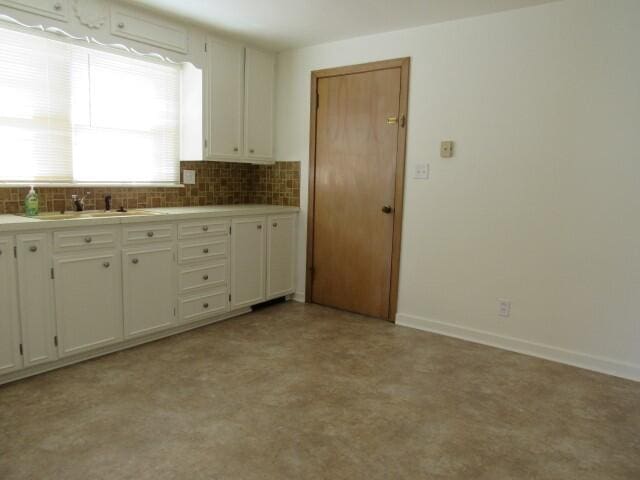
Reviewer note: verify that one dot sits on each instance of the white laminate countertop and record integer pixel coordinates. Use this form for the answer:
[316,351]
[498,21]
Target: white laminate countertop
[17,223]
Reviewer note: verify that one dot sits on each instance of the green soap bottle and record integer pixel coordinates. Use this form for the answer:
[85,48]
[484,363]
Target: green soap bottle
[31,203]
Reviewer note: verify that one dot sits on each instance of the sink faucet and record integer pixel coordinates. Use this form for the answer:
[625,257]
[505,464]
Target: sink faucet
[79,204]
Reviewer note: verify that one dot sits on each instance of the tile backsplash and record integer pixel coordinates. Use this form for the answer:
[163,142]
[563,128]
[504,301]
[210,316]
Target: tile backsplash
[217,183]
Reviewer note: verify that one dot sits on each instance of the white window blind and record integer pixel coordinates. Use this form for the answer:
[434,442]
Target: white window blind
[71,114]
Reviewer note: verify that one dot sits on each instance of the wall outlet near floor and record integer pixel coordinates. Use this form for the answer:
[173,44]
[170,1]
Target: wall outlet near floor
[421,171]
[504,307]
[189,177]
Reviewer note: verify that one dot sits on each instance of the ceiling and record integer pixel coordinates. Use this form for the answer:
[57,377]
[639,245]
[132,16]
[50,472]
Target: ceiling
[285,24]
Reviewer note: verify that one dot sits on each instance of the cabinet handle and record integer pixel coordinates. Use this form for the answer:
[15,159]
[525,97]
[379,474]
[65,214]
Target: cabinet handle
[88,239]
[0,252]
[33,248]
[206,305]
[121,25]
[206,250]
[106,264]
[205,228]
[275,224]
[57,7]
[150,234]
[205,278]
[135,261]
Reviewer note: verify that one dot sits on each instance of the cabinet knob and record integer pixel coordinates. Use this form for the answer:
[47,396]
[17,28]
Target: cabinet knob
[205,228]
[259,227]
[33,248]
[235,149]
[206,305]
[0,252]
[57,7]
[121,25]
[205,277]
[150,234]
[106,264]
[88,239]
[251,150]
[205,250]
[275,224]
[135,261]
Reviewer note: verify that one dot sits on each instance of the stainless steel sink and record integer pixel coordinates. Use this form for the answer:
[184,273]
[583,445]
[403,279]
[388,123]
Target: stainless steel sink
[93,214]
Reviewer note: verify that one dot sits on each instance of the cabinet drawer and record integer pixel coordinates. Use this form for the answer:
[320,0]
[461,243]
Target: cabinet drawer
[86,238]
[203,228]
[203,250]
[149,233]
[148,29]
[205,305]
[211,275]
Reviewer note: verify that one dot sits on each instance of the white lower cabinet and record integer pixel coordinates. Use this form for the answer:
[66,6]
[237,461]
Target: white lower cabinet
[88,297]
[281,255]
[36,298]
[71,291]
[150,289]
[10,358]
[248,263]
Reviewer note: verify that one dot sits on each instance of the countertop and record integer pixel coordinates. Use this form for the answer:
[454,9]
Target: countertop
[16,223]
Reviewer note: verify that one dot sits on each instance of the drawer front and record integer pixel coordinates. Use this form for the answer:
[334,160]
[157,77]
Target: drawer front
[203,250]
[205,305]
[149,233]
[89,238]
[203,228]
[208,276]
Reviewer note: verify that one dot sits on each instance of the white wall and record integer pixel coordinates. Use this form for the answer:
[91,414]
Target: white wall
[541,203]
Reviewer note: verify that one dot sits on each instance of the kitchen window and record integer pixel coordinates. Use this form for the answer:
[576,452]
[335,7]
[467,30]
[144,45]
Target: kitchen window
[74,115]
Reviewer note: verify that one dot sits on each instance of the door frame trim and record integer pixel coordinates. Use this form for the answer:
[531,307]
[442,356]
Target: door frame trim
[404,65]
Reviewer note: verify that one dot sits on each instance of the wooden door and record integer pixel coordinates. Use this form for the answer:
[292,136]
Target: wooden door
[10,358]
[247,261]
[258,115]
[150,289]
[358,127]
[281,255]
[88,293]
[36,298]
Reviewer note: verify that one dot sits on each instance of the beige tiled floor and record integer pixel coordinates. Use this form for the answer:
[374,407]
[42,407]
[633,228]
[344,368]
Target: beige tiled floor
[305,392]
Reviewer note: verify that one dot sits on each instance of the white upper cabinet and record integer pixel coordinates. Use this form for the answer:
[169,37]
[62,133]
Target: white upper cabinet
[132,24]
[239,103]
[57,9]
[225,94]
[10,358]
[259,98]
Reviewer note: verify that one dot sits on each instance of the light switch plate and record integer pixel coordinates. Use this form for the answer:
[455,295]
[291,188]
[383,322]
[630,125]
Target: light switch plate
[189,177]
[421,171]
[446,149]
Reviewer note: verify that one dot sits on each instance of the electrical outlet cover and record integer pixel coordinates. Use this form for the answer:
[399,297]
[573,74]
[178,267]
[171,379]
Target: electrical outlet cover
[189,177]
[421,171]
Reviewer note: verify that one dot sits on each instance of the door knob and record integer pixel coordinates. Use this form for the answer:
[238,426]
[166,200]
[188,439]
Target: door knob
[387,209]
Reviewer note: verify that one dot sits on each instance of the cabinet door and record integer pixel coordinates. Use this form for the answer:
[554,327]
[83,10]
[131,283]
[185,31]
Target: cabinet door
[150,289]
[224,100]
[259,100]
[36,298]
[281,255]
[10,358]
[247,261]
[88,294]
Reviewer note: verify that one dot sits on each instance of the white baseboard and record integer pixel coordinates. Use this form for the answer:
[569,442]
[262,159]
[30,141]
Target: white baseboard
[299,297]
[576,359]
